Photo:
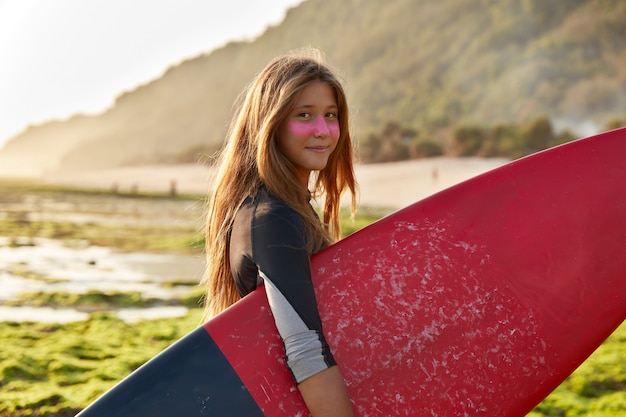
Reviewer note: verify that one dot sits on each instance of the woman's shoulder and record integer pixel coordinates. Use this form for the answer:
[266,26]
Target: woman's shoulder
[268,217]
[267,205]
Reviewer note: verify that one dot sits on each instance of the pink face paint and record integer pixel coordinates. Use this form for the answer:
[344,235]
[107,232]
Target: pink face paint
[317,127]
[334,130]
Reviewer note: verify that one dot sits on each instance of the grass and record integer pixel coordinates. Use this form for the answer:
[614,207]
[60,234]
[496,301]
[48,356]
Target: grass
[55,370]
[597,388]
[144,239]
[363,217]
[102,301]
[169,239]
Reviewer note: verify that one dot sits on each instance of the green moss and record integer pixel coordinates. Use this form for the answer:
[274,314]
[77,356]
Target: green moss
[70,372]
[560,402]
[597,388]
[95,300]
[51,370]
[193,300]
[23,368]
[364,217]
[124,238]
[612,404]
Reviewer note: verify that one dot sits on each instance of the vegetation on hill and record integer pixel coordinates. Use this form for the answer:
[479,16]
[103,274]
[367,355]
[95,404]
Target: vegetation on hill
[429,66]
[507,140]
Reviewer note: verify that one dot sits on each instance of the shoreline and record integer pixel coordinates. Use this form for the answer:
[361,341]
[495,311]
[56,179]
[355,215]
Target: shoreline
[390,185]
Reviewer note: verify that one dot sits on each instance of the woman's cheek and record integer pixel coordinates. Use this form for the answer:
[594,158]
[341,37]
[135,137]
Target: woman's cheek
[334,130]
[300,129]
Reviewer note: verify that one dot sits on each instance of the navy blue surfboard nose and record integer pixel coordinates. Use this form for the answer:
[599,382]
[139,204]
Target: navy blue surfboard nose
[192,377]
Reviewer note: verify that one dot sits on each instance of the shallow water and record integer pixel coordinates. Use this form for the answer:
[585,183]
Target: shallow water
[41,314]
[46,265]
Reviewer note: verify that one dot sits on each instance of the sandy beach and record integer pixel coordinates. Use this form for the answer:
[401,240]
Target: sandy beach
[390,185]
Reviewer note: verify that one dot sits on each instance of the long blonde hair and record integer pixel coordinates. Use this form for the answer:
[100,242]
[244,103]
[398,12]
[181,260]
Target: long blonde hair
[251,159]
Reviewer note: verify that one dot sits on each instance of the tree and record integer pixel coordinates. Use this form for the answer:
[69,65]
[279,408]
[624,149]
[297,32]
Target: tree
[467,140]
[537,134]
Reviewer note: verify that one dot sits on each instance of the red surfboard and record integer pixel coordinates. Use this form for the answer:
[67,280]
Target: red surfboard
[478,301]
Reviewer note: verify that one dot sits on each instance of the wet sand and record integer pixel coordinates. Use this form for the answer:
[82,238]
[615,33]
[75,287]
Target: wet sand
[32,265]
[52,266]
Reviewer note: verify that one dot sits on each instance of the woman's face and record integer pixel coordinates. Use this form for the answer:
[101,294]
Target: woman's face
[310,133]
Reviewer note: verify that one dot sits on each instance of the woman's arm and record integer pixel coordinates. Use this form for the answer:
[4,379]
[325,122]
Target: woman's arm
[325,394]
[279,251]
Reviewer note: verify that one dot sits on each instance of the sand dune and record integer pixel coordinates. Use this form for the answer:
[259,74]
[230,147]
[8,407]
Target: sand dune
[390,185]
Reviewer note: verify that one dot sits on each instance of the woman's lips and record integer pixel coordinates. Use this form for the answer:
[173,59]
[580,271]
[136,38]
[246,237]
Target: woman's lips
[319,149]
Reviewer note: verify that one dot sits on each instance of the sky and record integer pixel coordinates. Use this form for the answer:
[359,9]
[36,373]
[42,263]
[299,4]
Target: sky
[62,57]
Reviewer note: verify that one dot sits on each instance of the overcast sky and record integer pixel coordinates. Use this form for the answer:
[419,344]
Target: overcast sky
[61,57]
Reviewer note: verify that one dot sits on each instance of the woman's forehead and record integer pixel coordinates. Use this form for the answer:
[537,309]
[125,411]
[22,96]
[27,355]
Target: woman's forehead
[316,94]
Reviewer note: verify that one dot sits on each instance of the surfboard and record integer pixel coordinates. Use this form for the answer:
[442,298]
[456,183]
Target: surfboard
[477,301]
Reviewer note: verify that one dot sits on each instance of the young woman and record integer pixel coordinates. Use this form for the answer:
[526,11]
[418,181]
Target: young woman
[288,142]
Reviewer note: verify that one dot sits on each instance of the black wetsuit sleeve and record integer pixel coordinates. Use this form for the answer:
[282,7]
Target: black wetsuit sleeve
[278,250]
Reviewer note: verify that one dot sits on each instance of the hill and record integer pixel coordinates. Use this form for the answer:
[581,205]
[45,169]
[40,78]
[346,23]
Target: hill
[427,65]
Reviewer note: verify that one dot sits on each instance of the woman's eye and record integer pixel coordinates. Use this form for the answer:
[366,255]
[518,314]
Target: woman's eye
[304,115]
[331,115]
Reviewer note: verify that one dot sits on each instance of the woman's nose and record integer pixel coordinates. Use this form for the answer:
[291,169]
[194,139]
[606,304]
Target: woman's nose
[321,127]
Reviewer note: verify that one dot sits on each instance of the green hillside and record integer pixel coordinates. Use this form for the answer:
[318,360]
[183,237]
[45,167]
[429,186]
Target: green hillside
[426,65]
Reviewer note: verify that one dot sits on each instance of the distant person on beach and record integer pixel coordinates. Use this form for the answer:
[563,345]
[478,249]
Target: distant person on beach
[288,142]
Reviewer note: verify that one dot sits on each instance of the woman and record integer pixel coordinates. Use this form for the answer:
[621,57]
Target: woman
[290,132]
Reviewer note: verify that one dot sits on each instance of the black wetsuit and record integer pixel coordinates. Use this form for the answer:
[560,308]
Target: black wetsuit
[268,246]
